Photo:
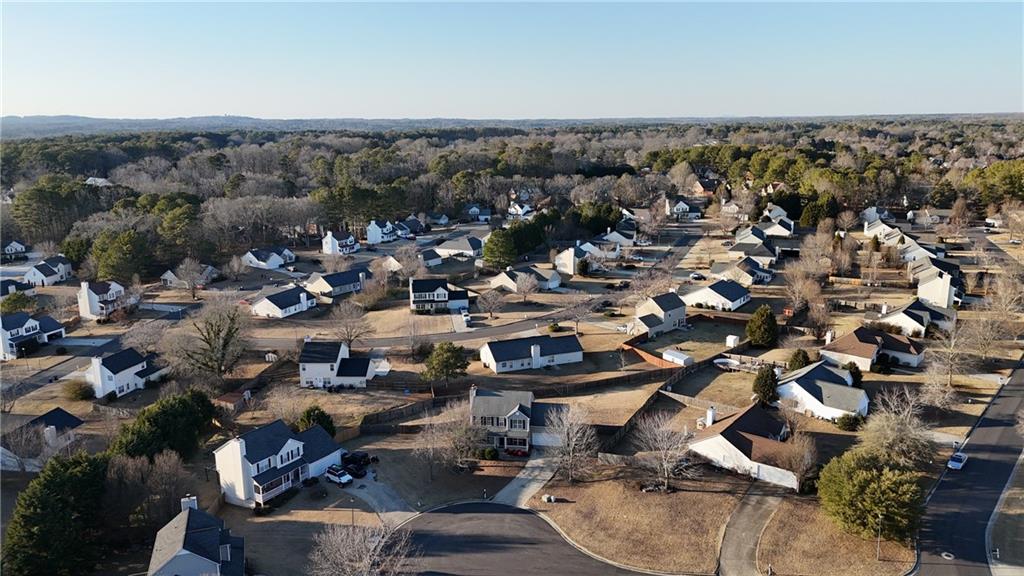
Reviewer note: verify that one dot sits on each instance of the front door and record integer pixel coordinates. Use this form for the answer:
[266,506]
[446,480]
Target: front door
[295,476]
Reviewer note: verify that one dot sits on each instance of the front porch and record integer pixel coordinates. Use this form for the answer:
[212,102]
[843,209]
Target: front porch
[272,483]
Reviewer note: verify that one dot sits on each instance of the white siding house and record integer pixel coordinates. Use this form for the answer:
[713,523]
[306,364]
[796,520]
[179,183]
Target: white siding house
[749,442]
[823,391]
[20,333]
[284,304]
[435,294]
[530,353]
[337,244]
[49,271]
[720,295]
[268,258]
[380,231]
[262,463]
[123,372]
[98,300]
[327,364]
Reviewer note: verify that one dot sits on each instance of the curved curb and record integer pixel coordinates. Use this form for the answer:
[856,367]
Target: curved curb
[561,533]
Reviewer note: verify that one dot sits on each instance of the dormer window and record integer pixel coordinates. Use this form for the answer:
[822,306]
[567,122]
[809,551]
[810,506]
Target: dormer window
[225,552]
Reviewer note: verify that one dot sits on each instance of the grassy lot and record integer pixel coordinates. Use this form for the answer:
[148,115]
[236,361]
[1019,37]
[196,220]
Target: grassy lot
[1014,251]
[697,257]
[733,388]
[1008,530]
[408,474]
[679,532]
[346,407]
[973,394]
[800,540]
[707,339]
[611,406]
[280,543]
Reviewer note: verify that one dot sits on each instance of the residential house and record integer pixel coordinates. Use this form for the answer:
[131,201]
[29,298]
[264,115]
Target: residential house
[780,228]
[207,275]
[775,212]
[9,286]
[679,208]
[262,463]
[327,364]
[380,231]
[930,216]
[20,451]
[547,279]
[928,266]
[530,353]
[22,334]
[913,319]
[123,372]
[283,304]
[15,247]
[719,295]
[96,181]
[705,186]
[659,314]
[270,258]
[878,228]
[330,286]
[867,346]
[513,420]
[623,235]
[390,264]
[437,219]
[873,214]
[434,294]
[823,391]
[567,261]
[994,221]
[774,187]
[746,272]
[430,258]
[912,250]
[196,543]
[477,213]
[463,246]
[412,226]
[939,288]
[49,271]
[98,300]
[517,211]
[731,208]
[749,442]
[339,244]
[763,253]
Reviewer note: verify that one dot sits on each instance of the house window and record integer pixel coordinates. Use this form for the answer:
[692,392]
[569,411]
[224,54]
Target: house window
[516,442]
[303,367]
[332,367]
[517,424]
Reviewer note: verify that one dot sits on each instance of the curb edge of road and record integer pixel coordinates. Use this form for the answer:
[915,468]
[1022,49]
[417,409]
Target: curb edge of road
[995,514]
[560,532]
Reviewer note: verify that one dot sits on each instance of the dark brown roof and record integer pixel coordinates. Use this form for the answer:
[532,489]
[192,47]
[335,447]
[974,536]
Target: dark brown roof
[864,342]
[752,431]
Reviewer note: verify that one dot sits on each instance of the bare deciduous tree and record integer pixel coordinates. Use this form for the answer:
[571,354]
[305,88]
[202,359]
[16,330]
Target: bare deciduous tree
[577,438]
[360,551]
[847,219]
[190,273]
[490,302]
[350,323]
[895,431]
[950,354]
[168,481]
[662,447]
[219,341]
[801,458]
[649,283]
[146,336]
[526,285]
[801,289]
[335,263]
[409,258]
[27,447]
[46,248]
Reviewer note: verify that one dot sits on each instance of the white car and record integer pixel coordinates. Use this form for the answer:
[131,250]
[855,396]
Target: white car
[338,475]
[1015,242]
[957,461]
[637,258]
[643,242]
[696,276]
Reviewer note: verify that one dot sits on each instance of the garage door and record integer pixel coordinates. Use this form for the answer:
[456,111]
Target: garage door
[544,439]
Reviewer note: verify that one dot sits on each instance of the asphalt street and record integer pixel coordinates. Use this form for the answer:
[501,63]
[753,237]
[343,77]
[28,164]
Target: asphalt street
[952,540]
[486,539]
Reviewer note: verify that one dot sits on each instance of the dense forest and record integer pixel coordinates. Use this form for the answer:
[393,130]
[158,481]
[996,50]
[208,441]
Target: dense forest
[167,195]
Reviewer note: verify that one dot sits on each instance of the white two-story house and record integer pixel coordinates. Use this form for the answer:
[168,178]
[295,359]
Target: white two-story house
[49,271]
[98,300]
[657,315]
[435,294]
[262,463]
[379,231]
[268,258]
[123,372]
[15,247]
[327,364]
[21,333]
[679,208]
[340,243]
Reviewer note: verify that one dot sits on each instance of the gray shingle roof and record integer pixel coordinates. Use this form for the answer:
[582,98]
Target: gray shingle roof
[99,288]
[47,324]
[428,284]
[346,277]
[120,361]
[827,385]
[59,418]
[289,297]
[729,290]
[319,352]
[201,534]
[539,412]
[45,269]
[500,403]
[13,321]
[505,350]
[266,441]
[668,301]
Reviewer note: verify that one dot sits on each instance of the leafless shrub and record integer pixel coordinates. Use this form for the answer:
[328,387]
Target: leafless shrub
[360,551]
[895,432]
[662,447]
[577,439]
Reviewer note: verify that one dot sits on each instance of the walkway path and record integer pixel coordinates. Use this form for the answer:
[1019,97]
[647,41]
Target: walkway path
[388,504]
[738,556]
[534,475]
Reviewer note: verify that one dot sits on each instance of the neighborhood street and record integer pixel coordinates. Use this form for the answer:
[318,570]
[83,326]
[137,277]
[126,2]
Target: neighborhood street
[953,533]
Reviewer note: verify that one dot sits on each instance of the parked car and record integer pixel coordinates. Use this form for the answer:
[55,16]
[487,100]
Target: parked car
[355,470]
[358,457]
[727,243]
[696,276]
[643,242]
[338,475]
[1015,242]
[637,258]
[957,461]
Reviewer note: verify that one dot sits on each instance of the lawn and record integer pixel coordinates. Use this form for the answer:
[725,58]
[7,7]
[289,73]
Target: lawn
[1008,530]
[678,532]
[800,540]
[280,542]
[732,388]
[407,474]
[612,406]
[707,339]
[346,407]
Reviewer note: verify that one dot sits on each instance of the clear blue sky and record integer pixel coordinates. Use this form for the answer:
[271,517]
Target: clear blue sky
[510,60]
